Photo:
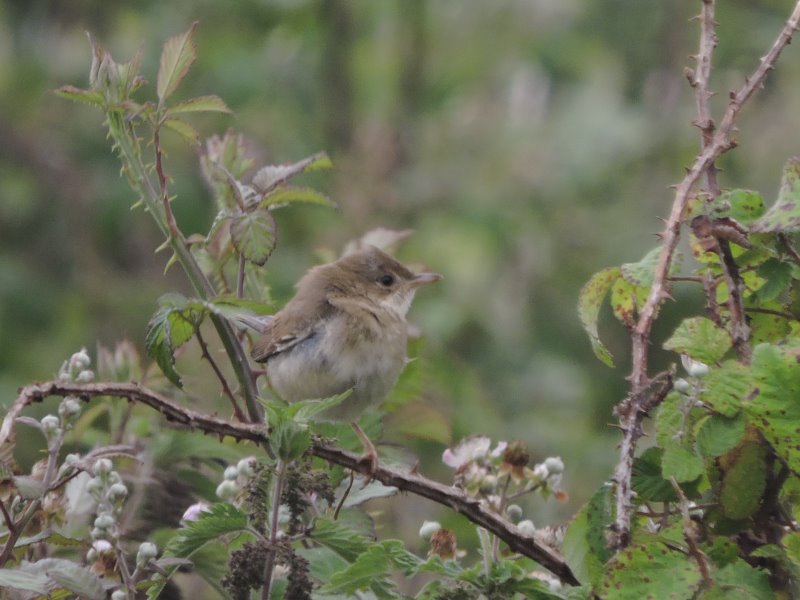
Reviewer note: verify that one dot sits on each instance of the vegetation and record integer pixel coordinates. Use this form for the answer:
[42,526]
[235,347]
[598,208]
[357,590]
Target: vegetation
[707,509]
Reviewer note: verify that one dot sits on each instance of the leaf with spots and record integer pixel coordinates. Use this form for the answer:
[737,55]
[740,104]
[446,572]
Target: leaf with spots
[589,303]
[725,389]
[774,408]
[650,571]
[641,273]
[777,276]
[701,339]
[745,206]
[784,215]
[625,300]
[585,543]
[744,482]
[739,581]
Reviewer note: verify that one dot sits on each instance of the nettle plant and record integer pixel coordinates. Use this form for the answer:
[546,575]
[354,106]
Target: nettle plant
[278,513]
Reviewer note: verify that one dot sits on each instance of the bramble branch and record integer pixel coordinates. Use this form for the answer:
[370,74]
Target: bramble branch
[631,411]
[449,496]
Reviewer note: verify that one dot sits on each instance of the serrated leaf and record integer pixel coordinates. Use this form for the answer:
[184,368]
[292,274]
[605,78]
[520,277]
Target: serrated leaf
[304,411]
[371,491]
[777,276]
[589,302]
[343,540]
[585,543]
[189,133]
[639,570]
[209,103]
[73,577]
[640,274]
[718,434]
[176,58]
[740,581]
[744,482]
[725,389]
[285,195]
[371,571]
[766,327]
[92,97]
[271,176]
[19,580]
[672,420]
[624,300]
[701,339]
[774,408]
[158,344]
[682,464]
[253,235]
[784,215]
[220,519]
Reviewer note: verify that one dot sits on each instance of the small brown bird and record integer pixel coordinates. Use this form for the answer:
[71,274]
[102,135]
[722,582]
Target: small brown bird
[344,329]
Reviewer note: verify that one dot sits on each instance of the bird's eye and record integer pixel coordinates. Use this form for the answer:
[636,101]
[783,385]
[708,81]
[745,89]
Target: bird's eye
[386,280]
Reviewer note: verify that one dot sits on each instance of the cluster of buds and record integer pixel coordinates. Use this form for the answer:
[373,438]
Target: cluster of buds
[235,478]
[481,469]
[76,369]
[109,492]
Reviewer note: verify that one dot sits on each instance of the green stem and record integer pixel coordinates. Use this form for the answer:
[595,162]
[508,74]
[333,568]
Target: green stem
[125,139]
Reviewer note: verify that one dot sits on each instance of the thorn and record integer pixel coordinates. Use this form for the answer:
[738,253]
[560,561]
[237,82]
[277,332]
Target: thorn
[732,95]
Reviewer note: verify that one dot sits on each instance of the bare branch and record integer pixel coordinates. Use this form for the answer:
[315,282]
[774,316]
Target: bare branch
[449,496]
[630,410]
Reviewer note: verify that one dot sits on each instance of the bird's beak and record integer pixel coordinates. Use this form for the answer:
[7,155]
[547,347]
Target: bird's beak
[423,278]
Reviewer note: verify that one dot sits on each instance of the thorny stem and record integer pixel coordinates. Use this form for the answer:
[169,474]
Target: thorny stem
[445,495]
[124,137]
[690,536]
[633,409]
[240,416]
[269,565]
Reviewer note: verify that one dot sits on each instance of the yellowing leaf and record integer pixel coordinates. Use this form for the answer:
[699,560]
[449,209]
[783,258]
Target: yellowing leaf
[589,303]
[784,215]
[176,58]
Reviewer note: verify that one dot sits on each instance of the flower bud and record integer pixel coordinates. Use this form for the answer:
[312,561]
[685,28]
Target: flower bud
[104,521]
[231,473]
[80,360]
[147,551]
[119,594]
[514,512]
[245,467]
[527,527]
[488,484]
[69,409]
[102,467]
[681,385]
[428,529]
[50,424]
[540,472]
[117,492]
[85,377]
[227,489]
[554,465]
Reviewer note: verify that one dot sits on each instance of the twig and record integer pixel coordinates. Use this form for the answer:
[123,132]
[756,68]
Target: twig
[237,411]
[269,564]
[6,517]
[630,410]
[769,311]
[162,183]
[449,496]
[690,536]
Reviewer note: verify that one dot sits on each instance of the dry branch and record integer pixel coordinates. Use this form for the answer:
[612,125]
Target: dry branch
[451,497]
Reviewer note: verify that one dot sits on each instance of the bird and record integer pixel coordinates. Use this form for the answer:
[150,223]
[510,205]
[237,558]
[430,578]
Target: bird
[344,329]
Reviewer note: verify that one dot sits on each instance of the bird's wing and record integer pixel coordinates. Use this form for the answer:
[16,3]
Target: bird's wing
[277,338]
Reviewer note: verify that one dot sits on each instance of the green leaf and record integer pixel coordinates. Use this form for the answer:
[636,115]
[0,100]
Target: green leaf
[644,570]
[784,215]
[585,543]
[253,235]
[778,276]
[625,299]
[220,519]
[672,421]
[725,389]
[92,97]
[176,58]
[370,571]
[740,581]
[200,104]
[20,580]
[305,411]
[173,324]
[681,464]
[287,194]
[270,177]
[718,434]
[589,303]
[189,133]
[745,206]
[744,482]
[343,540]
[640,274]
[701,339]
[288,439]
[73,577]
[774,408]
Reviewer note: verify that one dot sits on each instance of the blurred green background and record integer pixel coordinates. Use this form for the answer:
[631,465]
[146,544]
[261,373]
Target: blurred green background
[529,143]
